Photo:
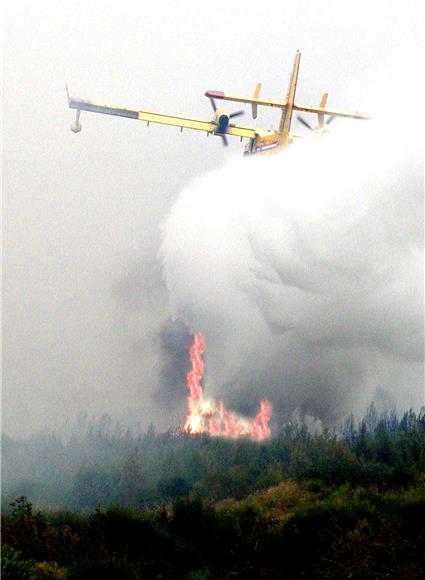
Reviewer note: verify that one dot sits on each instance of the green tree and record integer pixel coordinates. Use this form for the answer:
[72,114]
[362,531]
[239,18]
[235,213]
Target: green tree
[14,566]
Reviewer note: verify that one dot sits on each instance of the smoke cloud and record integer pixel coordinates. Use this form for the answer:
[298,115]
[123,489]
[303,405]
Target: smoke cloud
[304,271]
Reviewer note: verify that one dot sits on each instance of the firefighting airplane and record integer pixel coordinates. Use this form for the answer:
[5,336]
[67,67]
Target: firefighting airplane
[259,139]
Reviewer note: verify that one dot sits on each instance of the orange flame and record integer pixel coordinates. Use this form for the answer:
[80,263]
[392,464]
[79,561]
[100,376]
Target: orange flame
[212,417]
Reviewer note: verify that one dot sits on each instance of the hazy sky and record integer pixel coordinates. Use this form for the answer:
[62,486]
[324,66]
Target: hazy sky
[84,300]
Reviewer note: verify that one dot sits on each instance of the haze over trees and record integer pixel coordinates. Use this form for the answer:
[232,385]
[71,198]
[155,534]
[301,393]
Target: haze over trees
[102,464]
[114,504]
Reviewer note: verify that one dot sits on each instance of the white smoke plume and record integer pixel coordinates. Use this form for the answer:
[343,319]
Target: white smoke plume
[304,271]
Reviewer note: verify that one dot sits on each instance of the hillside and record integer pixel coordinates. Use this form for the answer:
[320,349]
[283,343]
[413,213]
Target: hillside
[346,504]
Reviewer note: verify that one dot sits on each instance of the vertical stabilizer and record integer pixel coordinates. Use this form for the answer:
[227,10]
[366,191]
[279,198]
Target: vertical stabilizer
[285,121]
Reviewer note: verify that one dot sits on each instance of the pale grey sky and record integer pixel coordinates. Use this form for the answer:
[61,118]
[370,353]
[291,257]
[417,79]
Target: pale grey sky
[82,213]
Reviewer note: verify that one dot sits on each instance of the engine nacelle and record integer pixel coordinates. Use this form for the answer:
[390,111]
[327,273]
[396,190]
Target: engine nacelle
[222,119]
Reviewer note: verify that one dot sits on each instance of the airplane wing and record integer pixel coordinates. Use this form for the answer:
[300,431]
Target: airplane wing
[331,112]
[149,117]
[249,100]
[283,104]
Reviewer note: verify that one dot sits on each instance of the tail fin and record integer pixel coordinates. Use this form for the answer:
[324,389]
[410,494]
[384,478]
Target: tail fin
[285,121]
[255,96]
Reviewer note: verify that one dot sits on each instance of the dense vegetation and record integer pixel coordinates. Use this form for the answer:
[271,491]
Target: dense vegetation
[346,504]
[101,465]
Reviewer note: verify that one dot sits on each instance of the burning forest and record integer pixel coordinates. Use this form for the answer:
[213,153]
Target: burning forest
[213,418]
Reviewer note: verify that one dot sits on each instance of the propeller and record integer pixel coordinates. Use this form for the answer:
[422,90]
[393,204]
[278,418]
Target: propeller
[231,116]
[304,122]
[236,114]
